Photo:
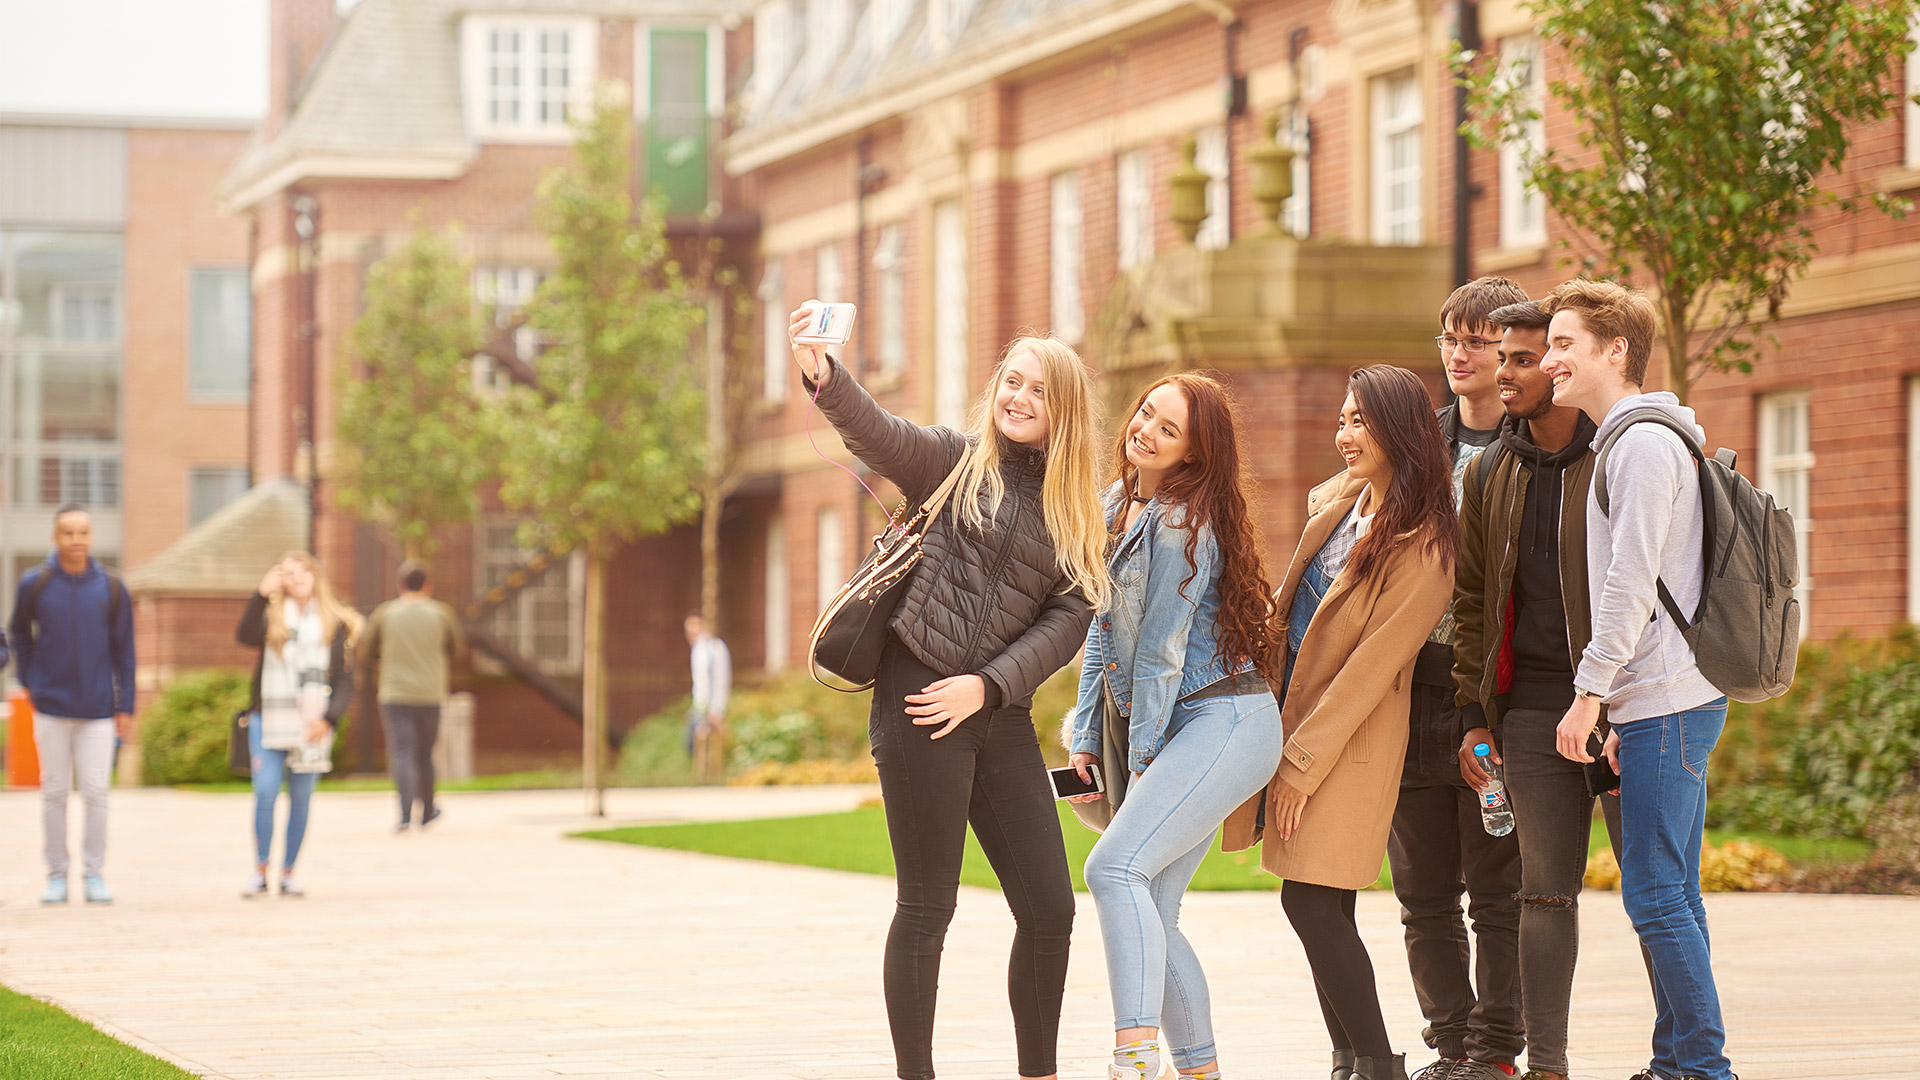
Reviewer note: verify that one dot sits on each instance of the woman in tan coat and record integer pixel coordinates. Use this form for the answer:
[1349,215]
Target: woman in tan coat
[1372,575]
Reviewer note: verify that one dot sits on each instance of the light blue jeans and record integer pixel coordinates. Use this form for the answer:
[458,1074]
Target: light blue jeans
[1221,751]
[1663,816]
[269,767]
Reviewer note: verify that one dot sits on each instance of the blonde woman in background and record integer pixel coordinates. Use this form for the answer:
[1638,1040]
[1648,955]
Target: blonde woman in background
[1012,572]
[302,685]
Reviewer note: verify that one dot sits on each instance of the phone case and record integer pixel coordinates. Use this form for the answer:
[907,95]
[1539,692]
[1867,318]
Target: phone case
[835,335]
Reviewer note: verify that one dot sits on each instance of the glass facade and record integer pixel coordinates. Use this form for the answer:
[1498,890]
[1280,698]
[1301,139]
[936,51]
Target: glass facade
[62,323]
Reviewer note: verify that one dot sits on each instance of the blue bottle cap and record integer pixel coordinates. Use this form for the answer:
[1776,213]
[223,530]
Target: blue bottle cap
[1482,749]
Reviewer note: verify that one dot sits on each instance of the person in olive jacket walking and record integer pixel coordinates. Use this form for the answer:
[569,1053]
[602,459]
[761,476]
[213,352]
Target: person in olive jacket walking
[1000,600]
[1370,579]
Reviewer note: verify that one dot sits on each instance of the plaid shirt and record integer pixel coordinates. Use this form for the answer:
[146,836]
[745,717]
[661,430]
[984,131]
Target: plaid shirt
[1333,554]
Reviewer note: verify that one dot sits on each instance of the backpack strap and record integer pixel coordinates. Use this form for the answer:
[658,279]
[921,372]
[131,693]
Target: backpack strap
[43,578]
[1480,473]
[1707,513]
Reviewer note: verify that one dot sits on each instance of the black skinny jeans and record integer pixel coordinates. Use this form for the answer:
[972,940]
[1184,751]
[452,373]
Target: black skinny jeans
[1439,849]
[1553,815]
[988,773]
[1323,917]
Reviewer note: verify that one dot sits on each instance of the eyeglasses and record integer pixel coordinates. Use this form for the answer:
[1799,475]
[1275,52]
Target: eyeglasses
[1474,346]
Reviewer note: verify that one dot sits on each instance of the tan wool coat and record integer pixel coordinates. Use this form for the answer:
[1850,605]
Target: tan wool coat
[1345,716]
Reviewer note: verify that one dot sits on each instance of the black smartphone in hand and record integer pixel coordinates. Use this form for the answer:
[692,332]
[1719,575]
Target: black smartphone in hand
[1067,782]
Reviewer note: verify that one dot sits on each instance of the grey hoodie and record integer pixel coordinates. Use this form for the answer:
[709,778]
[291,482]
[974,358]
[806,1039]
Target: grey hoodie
[1637,660]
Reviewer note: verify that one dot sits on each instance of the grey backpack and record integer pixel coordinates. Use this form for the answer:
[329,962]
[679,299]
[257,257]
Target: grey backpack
[1745,634]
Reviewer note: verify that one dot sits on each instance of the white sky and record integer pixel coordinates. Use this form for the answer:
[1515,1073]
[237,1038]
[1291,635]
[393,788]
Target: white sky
[160,58]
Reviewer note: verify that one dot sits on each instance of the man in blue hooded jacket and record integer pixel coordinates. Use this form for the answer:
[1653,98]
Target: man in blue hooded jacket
[72,630]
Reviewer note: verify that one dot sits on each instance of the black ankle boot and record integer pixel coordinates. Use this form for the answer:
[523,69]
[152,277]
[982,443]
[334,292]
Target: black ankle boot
[1380,1068]
[1343,1065]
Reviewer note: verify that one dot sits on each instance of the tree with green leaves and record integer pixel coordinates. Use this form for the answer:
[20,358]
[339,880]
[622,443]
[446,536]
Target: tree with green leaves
[413,443]
[1704,129]
[608,446]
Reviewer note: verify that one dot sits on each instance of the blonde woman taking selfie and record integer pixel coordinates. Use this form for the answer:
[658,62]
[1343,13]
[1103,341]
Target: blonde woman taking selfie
[302,686]
[1012,572]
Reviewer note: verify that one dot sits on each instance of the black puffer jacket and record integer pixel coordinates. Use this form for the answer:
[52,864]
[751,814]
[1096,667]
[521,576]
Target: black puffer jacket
[992,602]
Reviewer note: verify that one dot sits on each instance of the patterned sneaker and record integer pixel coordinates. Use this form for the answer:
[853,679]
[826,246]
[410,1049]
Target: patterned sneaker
[1445,1069]
[96,889]
[256,888]
[56,892]
[1482,1070]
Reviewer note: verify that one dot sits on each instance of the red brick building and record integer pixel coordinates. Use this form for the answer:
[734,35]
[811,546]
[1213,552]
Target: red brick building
[450,112]
[966,168]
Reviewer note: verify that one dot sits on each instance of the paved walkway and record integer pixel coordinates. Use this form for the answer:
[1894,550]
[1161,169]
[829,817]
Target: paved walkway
[491,947]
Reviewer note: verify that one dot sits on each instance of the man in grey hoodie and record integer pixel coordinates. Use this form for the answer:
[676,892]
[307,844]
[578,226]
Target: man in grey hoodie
[1665,715]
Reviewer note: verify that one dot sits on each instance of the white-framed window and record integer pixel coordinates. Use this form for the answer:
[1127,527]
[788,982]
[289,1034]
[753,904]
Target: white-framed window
[1210,157]
[84,312]
[1523,212]
[1913,87]
[1066,253]
[775,354]
[890,285]
[1296,214]
[1398,183]
[829,280]
[828,22]
[776,44]
[525,78]
[885,20]
[949,314]
[502,293]
[830,555]
[544,620]
[1133,182]
[220,334]
[775,597]
[1786,472]
[947,19]
[210,487]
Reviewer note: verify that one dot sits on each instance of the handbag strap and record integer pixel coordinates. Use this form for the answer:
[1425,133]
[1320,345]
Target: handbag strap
[937,501]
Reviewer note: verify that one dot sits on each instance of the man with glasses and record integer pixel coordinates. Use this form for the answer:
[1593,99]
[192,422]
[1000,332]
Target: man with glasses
[1438,848]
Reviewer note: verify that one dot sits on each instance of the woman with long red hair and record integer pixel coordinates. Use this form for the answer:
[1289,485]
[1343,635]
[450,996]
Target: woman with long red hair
[1371,576]
[1175,680]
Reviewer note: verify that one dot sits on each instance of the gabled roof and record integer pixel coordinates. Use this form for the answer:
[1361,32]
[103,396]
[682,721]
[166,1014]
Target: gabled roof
[383,98]
[226,554]
[873,79]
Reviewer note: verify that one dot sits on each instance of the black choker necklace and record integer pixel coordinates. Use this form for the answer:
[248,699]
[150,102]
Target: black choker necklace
[1143,500]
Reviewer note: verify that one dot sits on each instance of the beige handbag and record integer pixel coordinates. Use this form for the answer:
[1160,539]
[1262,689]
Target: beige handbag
[1113,767]
[851,633]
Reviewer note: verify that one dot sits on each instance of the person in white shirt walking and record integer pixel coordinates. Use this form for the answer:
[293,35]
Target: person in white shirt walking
[712,682]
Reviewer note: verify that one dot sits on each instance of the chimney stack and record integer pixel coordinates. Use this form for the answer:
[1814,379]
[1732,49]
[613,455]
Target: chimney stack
[299,30]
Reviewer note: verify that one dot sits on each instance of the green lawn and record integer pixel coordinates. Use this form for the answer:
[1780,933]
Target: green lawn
[41,1042]
[857,840]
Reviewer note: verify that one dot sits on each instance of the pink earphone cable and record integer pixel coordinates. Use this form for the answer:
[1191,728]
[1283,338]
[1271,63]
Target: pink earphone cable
[812,406]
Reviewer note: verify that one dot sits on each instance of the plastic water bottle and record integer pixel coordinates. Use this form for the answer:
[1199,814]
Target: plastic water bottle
[1495,812]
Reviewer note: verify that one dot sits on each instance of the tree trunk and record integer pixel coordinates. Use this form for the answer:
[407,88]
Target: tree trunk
[710,555]
[593,725]
[1677,365]
[715,494]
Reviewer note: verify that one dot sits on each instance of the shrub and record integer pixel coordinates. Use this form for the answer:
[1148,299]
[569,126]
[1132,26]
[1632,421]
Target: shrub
[1823,759]
[183,734]
[654,753]
[1735,866]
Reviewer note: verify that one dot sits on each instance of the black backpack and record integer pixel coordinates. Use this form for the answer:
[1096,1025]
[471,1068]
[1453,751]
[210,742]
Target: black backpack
[30,604]
[1745,634]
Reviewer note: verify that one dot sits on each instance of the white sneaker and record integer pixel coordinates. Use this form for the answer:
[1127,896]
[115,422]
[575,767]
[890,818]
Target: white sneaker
[256,888]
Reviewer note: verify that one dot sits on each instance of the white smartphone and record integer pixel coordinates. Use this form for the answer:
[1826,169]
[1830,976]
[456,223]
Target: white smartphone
[831,324]
[1067,782]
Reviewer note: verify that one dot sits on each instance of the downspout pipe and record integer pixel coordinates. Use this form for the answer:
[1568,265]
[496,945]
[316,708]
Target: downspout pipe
[1468,34]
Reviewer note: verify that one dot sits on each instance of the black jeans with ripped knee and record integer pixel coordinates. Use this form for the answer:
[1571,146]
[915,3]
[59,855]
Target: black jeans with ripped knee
[987,773]
[1553,816]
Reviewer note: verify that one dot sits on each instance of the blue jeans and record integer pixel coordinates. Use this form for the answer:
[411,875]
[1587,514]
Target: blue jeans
[1223,750]
[269,767]
[1663,817]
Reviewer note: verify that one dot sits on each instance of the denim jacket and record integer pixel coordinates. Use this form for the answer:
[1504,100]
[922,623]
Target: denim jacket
[1153,644]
